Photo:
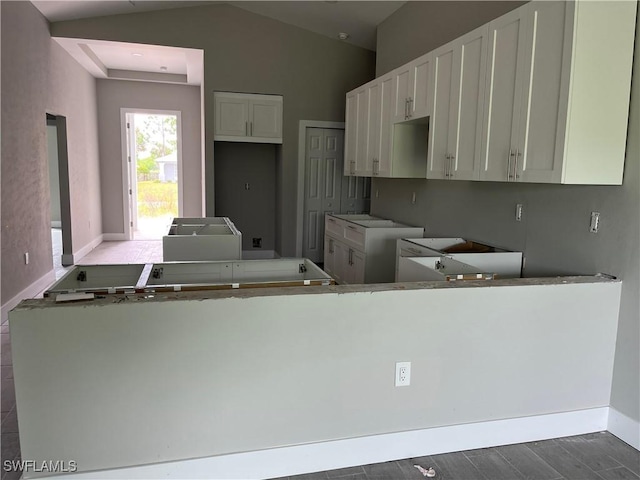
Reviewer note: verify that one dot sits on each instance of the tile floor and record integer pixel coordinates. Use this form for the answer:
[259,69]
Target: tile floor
[597,456]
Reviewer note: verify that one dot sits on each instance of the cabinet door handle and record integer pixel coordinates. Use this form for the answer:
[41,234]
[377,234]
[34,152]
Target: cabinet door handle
[353,167]
[351,227]
[406,107]
[410,107]
[515,170]
[246,128]
[350,257]
[451,165]
[251,129]
[446,165]
[511,155]
[332,220]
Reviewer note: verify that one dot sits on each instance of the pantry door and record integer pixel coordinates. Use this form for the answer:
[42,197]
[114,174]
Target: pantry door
[324,157]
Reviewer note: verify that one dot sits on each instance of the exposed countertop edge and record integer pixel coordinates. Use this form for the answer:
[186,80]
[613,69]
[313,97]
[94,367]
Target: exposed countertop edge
[243,293]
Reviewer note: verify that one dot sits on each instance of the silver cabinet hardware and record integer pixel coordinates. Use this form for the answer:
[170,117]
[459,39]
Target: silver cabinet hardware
[511,155]
[515,170]
[376,166]
[246,128]
[351,227]
[353,167]
[409,115]
[451,165]
[350,257]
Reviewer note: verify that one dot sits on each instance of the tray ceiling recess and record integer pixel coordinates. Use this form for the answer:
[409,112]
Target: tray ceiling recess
[131,61]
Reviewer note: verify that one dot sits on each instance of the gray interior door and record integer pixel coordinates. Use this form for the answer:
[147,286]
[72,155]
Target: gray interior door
[324,157]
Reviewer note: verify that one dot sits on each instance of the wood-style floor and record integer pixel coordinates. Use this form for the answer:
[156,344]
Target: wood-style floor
[596,456]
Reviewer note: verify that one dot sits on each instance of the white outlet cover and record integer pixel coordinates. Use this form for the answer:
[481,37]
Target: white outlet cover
[403,374]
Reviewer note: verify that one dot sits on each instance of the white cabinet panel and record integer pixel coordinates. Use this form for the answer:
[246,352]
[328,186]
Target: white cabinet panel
[232,116]
[419,88]
[502,97]
[249,118]
[351,133]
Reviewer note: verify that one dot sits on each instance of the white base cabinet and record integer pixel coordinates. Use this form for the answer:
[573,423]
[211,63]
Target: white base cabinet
[360,248]
[202,239]
[485,258]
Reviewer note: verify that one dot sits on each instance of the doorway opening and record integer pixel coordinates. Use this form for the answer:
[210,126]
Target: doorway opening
[60,204]
[153,163]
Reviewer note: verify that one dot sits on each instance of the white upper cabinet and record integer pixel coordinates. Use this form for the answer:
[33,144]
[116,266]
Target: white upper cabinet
[411,94]
[351,133]
[502,96]
[540,95]
[455,133]
[557,95]
[243,117]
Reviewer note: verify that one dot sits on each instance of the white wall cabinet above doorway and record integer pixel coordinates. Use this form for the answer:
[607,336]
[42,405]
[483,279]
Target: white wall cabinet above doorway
[241,117]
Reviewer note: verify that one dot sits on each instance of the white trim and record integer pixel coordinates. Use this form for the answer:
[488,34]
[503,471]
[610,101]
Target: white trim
[88,247]
[126,168]
[259,254]
[302,135]
[315,457]
[625,428]
[114,237]
[31,291]
[56,223]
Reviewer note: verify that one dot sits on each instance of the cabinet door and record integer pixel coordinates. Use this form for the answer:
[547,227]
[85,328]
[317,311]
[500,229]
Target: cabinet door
[340,261]
[329,255]
[419,96]
[466,116]
[401,78]
[265,118]
[353,266]
[362,140]
[369,165]
[443,126]
[382,166]
[537,156]
[232,116]
[351,133]
[502,96]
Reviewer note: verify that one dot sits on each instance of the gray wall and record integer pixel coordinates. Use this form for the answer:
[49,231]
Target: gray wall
[253,211]
[38,76]
[553,234]
[116,94]
[244,52]
[419,27]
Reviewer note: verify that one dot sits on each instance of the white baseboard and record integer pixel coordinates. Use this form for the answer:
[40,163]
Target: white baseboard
[31,291]
[87,248]
[114,237]
[259,254]
[625,428]
[315,457]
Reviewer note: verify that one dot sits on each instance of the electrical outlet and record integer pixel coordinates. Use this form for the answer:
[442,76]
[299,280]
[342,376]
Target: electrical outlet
[519,208]
[403,374]
[257,242]
[595,222]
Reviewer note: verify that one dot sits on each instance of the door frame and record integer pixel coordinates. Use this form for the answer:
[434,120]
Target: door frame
[126,169]
[302,136]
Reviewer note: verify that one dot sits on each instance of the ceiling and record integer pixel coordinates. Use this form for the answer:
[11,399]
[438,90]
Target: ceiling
[358,19]
[117,60]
